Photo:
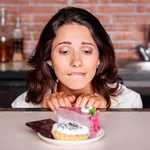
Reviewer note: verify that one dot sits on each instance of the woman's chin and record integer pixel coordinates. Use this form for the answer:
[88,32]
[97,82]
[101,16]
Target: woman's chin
[76,87]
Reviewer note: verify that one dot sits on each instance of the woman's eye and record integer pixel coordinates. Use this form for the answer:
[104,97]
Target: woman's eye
[87,51]
[64,52]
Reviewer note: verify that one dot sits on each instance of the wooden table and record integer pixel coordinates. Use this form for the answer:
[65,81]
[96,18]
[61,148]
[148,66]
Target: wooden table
[124,130]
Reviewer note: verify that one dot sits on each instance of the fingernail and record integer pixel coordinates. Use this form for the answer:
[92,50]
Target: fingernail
[73,96]
[63,105]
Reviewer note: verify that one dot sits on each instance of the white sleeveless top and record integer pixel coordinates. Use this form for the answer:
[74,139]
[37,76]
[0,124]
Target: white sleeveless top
[127,99]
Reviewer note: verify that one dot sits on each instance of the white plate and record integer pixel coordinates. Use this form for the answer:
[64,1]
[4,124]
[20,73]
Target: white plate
[99,135]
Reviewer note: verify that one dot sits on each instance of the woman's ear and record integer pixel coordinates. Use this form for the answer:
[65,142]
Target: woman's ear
[98,62]
[49,63]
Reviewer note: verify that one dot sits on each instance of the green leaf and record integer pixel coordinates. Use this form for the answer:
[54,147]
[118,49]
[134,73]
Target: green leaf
[92,111]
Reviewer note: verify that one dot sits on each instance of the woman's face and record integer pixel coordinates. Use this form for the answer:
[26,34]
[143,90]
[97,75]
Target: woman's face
[74,56]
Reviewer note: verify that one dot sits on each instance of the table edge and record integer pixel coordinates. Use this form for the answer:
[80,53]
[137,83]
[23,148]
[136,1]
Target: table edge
[47,109]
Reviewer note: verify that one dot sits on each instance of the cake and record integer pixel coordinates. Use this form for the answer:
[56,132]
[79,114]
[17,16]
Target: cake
[76,123]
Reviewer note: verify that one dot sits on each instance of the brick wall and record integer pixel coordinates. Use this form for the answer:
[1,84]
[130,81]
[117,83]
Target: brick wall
[126,21]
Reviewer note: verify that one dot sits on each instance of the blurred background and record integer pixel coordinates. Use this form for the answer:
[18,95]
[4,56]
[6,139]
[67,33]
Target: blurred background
[126,21]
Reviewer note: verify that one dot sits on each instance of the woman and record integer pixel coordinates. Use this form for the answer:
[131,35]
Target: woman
[74,65]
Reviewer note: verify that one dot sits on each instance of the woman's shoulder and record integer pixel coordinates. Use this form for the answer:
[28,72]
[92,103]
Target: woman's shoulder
[20,102]
[127,99]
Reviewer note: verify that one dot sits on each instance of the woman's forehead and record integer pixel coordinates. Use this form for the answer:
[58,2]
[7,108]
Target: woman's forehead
[73,33]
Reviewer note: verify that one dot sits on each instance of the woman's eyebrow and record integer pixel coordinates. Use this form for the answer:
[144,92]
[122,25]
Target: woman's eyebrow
[69,43]
[65,42]
[87,43]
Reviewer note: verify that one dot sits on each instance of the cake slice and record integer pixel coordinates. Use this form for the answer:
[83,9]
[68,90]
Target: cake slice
[83,117]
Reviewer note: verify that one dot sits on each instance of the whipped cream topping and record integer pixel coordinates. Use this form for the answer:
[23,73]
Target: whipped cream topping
[70,128]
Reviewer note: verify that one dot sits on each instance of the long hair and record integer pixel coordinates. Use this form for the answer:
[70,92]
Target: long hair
[42,77]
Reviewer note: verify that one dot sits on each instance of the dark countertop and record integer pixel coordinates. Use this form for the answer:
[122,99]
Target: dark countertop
[14,70]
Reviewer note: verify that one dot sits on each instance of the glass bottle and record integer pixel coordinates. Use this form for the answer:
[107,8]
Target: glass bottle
[17,41]
[5,42]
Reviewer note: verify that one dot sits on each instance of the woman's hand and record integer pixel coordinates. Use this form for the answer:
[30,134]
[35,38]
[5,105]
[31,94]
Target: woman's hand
[55,100]
[87,100]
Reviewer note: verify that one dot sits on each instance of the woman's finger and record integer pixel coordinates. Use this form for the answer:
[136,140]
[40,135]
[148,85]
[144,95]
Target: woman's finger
[78,101]
[96,104]
[45,102]
[91,101]
[72,98]
[51,106]
[102,103]
[84,101]
[54,102]
[66,99]
[61,100]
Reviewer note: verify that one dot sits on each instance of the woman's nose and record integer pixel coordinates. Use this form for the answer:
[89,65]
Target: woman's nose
[76,61]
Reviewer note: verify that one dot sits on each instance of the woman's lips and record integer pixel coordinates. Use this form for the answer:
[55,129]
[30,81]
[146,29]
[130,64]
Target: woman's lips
[77,74]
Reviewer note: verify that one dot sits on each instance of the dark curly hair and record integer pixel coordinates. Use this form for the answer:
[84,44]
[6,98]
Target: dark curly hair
[42,77]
